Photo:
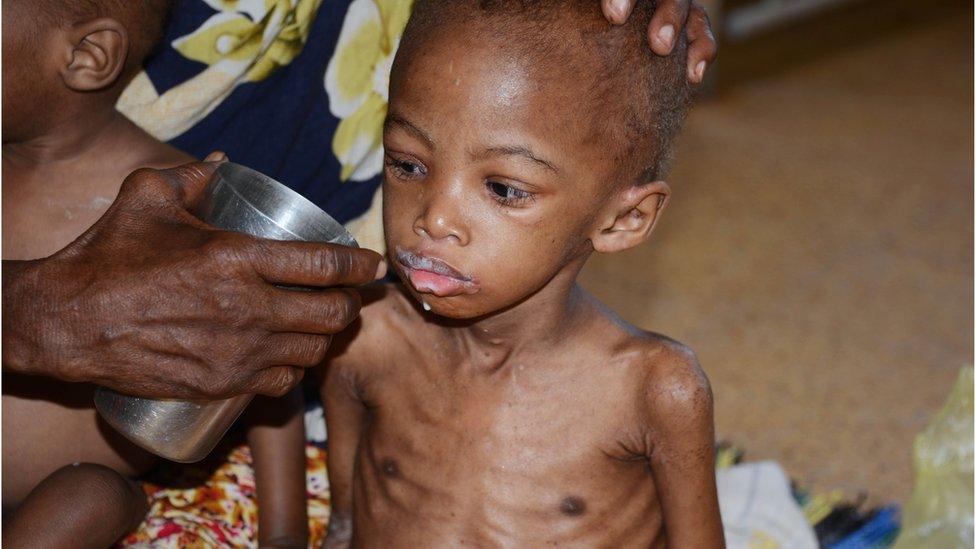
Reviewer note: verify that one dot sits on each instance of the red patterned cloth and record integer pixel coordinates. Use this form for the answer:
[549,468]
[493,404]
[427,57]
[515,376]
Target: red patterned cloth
[212,503]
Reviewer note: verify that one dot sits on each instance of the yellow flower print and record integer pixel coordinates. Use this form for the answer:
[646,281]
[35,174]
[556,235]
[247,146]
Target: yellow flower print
[245,41]
[357,81]
[263,34]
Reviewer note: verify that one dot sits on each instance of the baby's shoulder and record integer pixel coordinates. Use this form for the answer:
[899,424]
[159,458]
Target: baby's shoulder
[142,150]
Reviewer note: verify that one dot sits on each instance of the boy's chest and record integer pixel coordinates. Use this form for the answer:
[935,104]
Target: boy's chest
[40,218]
[519,442]
[517,405]
[32,233]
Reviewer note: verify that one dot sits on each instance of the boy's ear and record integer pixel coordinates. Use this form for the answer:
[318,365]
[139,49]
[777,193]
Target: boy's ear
[632,217]
[98,52]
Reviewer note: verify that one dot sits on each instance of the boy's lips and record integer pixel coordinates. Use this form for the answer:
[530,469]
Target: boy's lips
[430,275]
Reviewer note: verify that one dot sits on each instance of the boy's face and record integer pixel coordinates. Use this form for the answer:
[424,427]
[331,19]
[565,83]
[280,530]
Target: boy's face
[493,182]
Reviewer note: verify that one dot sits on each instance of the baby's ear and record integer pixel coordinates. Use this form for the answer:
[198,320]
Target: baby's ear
[98,52]
[631,217]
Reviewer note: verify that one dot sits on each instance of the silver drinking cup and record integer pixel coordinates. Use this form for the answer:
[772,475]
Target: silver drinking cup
[236,199]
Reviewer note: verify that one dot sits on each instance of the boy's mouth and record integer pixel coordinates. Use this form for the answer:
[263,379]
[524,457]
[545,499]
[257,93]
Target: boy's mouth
[430,275]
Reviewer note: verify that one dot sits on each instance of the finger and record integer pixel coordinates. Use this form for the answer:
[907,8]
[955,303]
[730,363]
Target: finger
[296,350]
[147,182]
[153,187]
[276,381]
[666,24]
[617,11]
[702,46]
[216,156]
[315,312]
[315,264]
[189,180]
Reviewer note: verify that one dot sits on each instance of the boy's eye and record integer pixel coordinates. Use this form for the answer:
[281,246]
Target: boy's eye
[508,195]
[404,169]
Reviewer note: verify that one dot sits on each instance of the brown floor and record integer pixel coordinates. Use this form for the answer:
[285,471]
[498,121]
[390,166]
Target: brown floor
[818,251]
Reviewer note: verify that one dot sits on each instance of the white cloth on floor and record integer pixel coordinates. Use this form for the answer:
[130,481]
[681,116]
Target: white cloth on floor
[758,509]
[315,423]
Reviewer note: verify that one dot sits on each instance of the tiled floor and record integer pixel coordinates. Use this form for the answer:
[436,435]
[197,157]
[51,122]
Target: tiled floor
[818,251]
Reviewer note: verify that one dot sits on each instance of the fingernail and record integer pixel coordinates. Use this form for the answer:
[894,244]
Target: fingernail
[619,8]
[666,35]
[700,70]
[380,270]
[216,156]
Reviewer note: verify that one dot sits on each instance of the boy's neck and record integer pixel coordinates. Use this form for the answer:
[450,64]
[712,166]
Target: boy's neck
[78,134]
[537,323]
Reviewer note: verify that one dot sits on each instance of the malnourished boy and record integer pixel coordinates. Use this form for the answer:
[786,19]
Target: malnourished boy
[489,400]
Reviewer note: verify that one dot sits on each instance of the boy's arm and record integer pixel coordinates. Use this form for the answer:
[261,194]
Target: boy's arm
[345,417]
[678,404]
[276,434]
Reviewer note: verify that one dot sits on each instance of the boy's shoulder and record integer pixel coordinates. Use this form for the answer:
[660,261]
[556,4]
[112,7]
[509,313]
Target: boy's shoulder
[387,306]
[387,320]
[665,374]
[673,378]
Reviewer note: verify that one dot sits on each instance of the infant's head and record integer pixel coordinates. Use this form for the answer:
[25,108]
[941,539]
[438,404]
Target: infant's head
[522,135]
[57,53]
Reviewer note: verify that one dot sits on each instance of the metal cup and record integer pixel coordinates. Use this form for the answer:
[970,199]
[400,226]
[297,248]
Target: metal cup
[236,199]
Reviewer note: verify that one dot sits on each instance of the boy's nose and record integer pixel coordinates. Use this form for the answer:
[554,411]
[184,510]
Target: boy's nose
[441,220]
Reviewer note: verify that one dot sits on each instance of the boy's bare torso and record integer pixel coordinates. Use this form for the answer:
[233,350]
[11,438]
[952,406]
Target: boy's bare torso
[544,446]
[49,203]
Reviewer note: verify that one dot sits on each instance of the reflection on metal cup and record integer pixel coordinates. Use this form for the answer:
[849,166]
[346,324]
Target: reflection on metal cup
[236,199]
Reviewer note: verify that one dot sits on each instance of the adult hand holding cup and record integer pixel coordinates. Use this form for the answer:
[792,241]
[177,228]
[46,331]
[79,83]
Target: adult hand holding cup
[153,302]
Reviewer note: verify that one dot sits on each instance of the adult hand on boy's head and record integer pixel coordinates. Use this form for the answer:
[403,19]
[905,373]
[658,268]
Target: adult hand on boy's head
[668,20]
[152,301]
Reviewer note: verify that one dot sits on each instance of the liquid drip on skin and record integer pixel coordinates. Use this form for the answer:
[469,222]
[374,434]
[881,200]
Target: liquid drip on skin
[426,306]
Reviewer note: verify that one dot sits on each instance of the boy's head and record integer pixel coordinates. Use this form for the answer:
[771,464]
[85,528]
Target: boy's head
[521,136]
[57,53]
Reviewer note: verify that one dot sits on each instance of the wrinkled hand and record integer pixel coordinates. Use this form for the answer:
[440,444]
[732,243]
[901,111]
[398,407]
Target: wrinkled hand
[153,302]
[669,18]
